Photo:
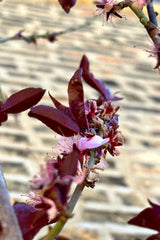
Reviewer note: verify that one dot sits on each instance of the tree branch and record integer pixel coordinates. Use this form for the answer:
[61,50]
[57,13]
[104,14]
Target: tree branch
[49,36]
[9,228]
[54,232]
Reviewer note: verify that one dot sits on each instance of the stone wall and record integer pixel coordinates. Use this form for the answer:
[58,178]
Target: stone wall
[118,57]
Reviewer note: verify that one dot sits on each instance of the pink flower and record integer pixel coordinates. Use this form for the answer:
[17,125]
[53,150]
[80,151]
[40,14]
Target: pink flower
[52,210]
[102,163]
[65,144]
[34,197]
[51,188]
[108,9]
[90,143]
[46,174]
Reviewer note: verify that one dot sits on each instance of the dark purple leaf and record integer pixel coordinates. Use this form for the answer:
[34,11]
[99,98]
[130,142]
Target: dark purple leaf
[69,163]
[19,34]
[111,97]
[3,117]
[61,107]
[68,168]
[76,100]
[89,78]
[148,218]
[31,219]
[67,4]
[62,238]
[22,100]
[84,64]
[100,5]
[154,237]
[55,119]
[95,83]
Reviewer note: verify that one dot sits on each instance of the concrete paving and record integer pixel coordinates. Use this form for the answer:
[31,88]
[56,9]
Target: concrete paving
[118,56]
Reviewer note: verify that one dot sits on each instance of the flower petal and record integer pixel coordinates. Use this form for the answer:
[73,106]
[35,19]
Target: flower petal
[64,144]
[94,142]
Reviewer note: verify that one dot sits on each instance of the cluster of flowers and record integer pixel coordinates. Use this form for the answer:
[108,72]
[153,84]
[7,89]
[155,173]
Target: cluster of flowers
[89,130]
[111,8]
[105,4]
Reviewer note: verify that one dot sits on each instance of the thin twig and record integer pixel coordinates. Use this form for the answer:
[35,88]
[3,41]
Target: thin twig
[49,36]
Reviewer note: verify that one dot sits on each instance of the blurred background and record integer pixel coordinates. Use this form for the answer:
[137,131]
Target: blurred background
[118,56]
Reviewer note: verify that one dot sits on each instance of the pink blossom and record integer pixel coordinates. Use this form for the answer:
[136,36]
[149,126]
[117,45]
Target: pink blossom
[108,9]
[46,174]
[65,144]
[102,163]
[52,210]
[34,197]
[90,143]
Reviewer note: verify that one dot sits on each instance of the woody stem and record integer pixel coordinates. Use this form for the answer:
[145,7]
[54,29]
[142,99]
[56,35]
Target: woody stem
[54,232]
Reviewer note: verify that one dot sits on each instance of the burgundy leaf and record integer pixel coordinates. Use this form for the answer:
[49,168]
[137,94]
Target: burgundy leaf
[76,100]
[55,119]
[69,163]
[31,219]
[154,237]
[67,4]
[22,100]
[3,117]
[89,78]
[111,97]
[61,107]
[62,238]
[148,218]
[1,103]
[84,64]
[67,169]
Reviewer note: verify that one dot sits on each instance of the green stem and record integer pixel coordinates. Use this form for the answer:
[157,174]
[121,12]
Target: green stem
[139,13]
[151,29]
[54,232]
[76,195]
